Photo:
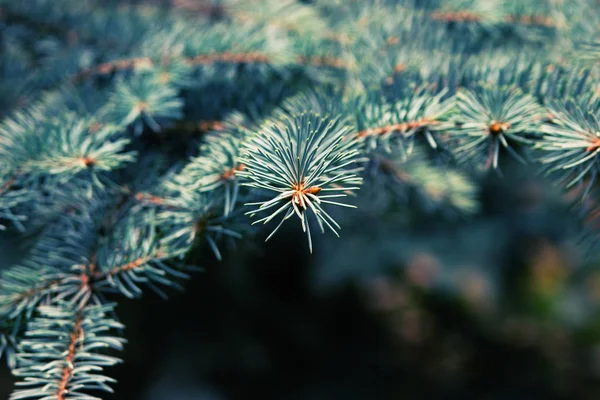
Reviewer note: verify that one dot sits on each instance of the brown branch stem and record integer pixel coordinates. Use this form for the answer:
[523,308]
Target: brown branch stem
[68,369]
[204,59]
[401,127]
[128,266]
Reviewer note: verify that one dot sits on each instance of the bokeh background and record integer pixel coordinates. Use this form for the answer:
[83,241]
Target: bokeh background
[410,306]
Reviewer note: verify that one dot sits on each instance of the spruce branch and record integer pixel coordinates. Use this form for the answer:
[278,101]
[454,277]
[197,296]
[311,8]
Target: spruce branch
[535,13]
[216,168]
[133,256]
[141,102]
[421,113]
[23,288]
[492,118]
[68,147]
[301,159]
[572,141]
[63,353]
[469,12]
[146,63]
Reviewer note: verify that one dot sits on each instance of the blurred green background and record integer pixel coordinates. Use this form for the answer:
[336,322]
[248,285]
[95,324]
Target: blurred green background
[403,306]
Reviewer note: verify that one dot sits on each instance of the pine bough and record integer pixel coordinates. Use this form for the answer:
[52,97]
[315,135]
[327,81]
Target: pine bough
[133,136]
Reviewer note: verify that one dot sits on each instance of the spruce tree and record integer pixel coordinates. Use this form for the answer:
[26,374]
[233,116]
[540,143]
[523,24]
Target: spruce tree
[139,139]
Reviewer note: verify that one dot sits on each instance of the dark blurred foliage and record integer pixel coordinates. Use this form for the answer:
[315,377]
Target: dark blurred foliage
[273,323]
